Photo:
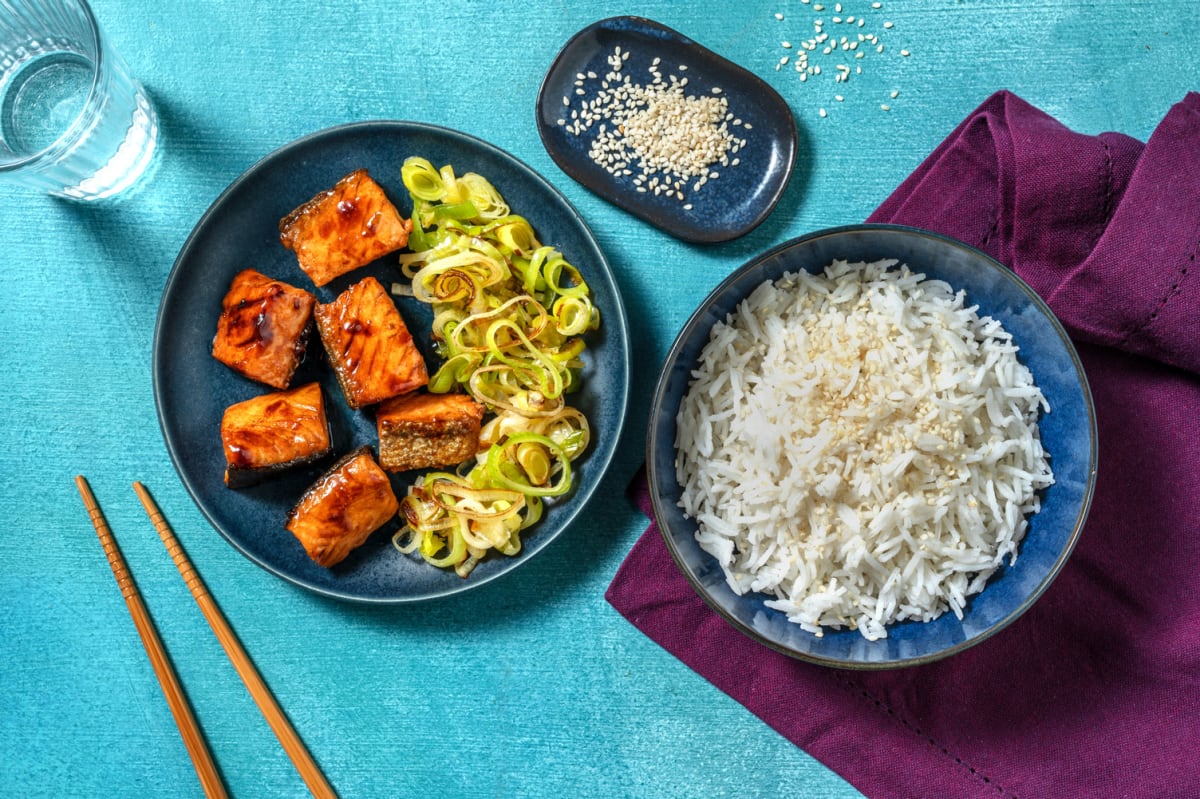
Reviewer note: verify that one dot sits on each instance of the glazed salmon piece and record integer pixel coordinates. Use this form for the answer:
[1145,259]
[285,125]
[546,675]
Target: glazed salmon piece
[337,514]
[369,346]
[344,228]
[262,329]
[419,431]
[271,433]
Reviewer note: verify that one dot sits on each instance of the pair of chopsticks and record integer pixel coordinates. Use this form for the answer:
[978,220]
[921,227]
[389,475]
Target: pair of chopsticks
[189,729]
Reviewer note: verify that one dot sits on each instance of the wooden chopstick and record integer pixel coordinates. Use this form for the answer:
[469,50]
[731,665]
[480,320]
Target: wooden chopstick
[193,738]
[303,761]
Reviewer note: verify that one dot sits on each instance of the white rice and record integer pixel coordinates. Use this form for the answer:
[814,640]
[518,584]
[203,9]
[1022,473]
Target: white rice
[861,445]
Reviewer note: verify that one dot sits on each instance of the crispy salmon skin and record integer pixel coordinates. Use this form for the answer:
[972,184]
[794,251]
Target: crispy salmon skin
[419,431]
[344,228]
[337,514]
[369,346]
[273,432]
[262,329]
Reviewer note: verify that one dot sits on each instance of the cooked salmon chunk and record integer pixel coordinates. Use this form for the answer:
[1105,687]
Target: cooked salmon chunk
[419,431]
[342,508]
[369,346]
[262,329]
[344,228]
[265,435]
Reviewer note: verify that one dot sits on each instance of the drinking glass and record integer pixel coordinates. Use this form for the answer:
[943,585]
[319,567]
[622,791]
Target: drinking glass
[73,121]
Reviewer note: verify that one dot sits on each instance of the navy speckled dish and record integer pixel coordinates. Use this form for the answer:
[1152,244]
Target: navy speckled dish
[723,209]
[1068,434]
[241,229]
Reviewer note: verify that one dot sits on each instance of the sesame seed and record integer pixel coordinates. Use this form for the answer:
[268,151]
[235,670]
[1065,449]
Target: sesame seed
[566,101]
[779,16]
[905,53]
[786,45]
[888,25]
[895,94]
[886,107]
[823,112]
[655,137]
[838,97]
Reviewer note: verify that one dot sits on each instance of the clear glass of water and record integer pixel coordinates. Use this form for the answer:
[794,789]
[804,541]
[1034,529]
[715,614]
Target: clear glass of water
[73,121]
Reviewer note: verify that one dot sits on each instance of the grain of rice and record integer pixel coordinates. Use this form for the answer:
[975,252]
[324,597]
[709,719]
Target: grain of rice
[861,445]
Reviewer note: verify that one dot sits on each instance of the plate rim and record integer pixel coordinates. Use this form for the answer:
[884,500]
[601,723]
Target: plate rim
[656,502]
[175,279]
[703,236]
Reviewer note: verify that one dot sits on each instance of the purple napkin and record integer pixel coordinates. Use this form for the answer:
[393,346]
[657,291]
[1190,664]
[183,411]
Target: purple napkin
[1095,691]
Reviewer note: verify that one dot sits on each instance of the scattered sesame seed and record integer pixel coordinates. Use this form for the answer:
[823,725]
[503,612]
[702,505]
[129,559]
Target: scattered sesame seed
[876,5]
[895,94]
[779,17]
[786,45]
[823,112]
[888,25]
[886,107]
[905,53]
[838,97]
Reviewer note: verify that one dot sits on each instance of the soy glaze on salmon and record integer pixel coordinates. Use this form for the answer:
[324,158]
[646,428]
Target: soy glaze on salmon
[274,432]
[369,346]
[343,228]
[338,513]
[263,328]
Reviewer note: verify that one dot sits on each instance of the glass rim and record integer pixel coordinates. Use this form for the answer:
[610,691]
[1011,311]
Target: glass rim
[91,106]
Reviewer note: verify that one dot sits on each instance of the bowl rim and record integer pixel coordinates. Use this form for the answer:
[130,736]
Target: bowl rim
[653,433]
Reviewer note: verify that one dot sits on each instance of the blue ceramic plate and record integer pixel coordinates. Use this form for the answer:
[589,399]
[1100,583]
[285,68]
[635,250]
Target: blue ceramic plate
[725,208]
[241,229]
[1068,434]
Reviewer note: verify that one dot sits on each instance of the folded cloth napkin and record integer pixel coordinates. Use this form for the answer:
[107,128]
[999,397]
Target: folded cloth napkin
[1095,691]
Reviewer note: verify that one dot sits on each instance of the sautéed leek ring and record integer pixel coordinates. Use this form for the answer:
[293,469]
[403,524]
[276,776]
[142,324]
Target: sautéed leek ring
[510,314]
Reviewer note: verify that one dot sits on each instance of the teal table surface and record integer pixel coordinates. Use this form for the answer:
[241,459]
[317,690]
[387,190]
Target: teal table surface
[531,685]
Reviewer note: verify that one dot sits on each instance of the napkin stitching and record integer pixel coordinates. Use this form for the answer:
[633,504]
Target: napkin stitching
[1172,292]
[879,704]
[991,231]
[1106,211]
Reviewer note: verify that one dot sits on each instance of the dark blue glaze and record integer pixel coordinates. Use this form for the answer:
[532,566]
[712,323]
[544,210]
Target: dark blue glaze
[723,209]
[241,229]
[1068,434]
